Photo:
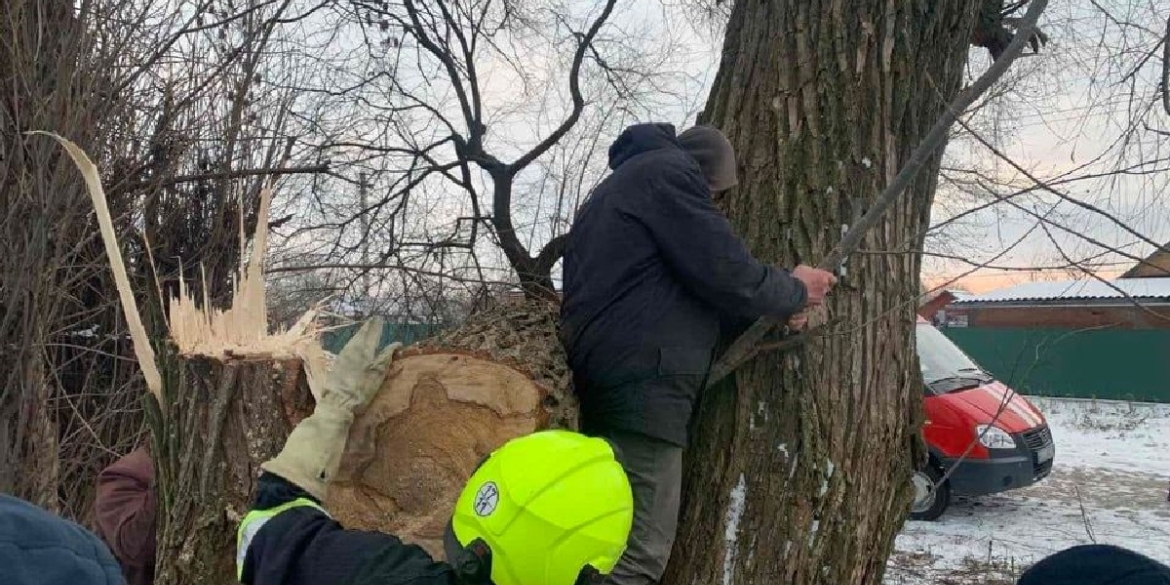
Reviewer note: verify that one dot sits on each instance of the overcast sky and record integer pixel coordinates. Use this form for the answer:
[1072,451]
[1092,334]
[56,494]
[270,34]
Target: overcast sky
[1062,121]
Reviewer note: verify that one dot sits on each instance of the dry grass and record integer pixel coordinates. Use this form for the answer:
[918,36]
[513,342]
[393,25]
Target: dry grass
[919,568]
[1122,417]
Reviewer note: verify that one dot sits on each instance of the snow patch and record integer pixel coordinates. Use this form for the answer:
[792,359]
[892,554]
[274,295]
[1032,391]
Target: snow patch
[867,163]
[812,531]
[735,506]
[87,332]
[761,412]
[829,469]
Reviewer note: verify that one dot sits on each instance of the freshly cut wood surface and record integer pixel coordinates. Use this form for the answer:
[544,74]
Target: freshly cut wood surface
[445,405]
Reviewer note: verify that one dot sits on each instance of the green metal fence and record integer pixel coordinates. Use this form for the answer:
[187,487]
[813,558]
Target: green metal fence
[1106,364]
[406,333]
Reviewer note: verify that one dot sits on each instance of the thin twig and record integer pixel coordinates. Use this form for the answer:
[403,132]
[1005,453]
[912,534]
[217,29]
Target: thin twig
[1085,515]
[1166,68]
[1064,196]
[226,174]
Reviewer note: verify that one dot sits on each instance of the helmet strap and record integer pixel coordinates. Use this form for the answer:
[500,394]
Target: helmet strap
[589,576]
[474,565]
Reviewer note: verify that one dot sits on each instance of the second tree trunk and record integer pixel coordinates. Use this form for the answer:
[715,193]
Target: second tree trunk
[801,475]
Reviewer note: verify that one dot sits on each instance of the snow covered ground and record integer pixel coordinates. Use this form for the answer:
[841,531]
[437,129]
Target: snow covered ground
[1109,485]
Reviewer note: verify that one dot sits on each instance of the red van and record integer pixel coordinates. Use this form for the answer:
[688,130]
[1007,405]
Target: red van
[982,436]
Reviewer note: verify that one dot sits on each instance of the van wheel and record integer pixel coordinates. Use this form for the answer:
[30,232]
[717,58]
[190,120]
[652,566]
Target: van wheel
[929,501]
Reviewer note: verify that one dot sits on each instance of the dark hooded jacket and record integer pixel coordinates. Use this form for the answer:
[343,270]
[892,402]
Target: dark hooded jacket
[1097,564]
[651,268]
[38,548]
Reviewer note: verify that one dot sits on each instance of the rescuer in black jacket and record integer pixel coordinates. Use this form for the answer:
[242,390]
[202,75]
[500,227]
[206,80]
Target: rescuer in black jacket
[651,270]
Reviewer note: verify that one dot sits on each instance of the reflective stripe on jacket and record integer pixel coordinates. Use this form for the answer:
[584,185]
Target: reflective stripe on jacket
[255,520]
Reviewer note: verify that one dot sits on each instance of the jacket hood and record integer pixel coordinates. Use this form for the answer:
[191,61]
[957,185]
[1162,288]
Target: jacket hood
[1097,564]
[641,138]
[38,548]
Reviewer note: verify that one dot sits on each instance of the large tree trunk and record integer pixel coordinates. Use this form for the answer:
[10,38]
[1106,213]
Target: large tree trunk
[445,405]
[225,417]
[801,474]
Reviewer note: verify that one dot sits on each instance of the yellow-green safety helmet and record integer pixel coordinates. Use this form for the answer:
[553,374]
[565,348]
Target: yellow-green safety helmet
[550,508]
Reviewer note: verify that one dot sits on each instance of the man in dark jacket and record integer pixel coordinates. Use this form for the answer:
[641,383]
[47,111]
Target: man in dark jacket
[126,509]
[652,270]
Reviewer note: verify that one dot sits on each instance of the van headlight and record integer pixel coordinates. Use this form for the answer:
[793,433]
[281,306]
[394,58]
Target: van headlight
[994,437]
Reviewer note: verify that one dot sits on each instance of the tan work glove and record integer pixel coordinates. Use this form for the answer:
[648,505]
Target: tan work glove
[312,453]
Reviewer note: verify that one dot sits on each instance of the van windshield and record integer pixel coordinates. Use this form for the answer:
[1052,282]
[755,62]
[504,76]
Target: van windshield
[945,368]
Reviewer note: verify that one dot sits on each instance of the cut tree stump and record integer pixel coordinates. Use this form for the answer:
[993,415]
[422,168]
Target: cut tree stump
[445,405]
[226,417]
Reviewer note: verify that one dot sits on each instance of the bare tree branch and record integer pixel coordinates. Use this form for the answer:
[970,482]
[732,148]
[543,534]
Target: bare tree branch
[1166,68]
[227,174]
[583,45]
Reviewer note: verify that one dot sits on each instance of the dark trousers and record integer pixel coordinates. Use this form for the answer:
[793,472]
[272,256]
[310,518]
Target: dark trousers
[655,471]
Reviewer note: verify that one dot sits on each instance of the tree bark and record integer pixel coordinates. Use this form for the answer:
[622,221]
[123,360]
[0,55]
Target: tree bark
[799,468]
[224,418]
[445,405]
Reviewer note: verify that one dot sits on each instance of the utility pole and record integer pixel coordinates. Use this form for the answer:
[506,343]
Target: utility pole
[363,199]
